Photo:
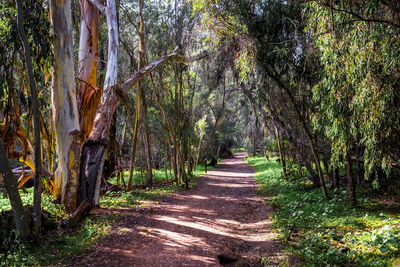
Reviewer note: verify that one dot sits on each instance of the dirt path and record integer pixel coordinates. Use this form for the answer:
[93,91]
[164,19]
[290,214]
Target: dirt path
[222,219]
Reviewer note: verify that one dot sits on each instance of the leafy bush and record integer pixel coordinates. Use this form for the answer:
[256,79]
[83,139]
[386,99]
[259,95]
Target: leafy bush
[329,232]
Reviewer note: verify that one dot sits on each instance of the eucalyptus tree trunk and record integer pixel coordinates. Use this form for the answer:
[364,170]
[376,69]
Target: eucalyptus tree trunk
[88,93]
[64,105]
[149,173]
[94,147]
[10,182]
[36,214]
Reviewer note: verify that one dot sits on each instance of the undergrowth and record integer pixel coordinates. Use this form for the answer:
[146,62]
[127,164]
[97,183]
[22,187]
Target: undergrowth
[329,232]
[65,241]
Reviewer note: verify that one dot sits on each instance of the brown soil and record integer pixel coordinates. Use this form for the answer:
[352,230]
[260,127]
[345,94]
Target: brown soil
[220,222]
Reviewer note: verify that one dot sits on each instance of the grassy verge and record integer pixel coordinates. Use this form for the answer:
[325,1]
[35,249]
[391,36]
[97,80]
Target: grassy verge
[63,242]
[235,150]
[329,233]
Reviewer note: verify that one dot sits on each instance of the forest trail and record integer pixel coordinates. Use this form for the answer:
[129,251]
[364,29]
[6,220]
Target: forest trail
[222,218]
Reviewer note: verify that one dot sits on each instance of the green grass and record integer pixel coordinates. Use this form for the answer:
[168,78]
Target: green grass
[65,243]
[60,246]
[235,150]
[329,233]
[158,176]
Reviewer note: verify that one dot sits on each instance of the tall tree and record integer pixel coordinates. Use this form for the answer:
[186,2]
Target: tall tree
[88,93]
[64,104]
[37,196]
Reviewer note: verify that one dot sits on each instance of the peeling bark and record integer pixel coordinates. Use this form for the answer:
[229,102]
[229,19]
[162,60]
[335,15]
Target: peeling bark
[64,105]
[93,149]
[88,93]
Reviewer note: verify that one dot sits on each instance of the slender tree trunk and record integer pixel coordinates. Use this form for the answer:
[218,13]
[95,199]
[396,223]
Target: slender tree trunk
[326,166]
[303,160]
[37,195]
[166,161]
[190,160]
[198,151]
[174,166]
[10,182]
[149,173]
[335,175]
[134,145]
[111,156]
[65,111]
[350,177]
[254,136]
[319,170]
[281,152]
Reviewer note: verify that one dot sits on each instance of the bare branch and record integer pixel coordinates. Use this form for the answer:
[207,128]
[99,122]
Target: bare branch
[143,72]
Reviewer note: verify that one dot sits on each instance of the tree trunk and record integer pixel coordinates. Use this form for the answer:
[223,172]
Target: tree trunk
[350,177]
[255,137]
[303,160]
[94,148]
[134,145]
[88,93]
[111,156]
[166,161]
[36,214]
[335,177]
[21,222]
[65,111]
[190,160]
[149,173]
[320,174]
[281,153]
[326,166]
[174,166]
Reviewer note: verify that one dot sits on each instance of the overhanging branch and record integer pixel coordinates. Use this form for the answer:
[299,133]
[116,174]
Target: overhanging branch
[143,72]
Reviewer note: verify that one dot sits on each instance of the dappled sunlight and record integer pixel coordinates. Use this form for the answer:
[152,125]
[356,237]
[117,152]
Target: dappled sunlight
[227,185]
[223,213]
[173,239]
[198,197]
[229,174]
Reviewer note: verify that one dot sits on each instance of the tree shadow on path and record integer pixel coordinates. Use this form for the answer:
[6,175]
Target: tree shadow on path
[222,220]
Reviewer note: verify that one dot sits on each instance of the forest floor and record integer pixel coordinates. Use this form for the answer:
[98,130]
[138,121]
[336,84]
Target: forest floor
[220,222]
